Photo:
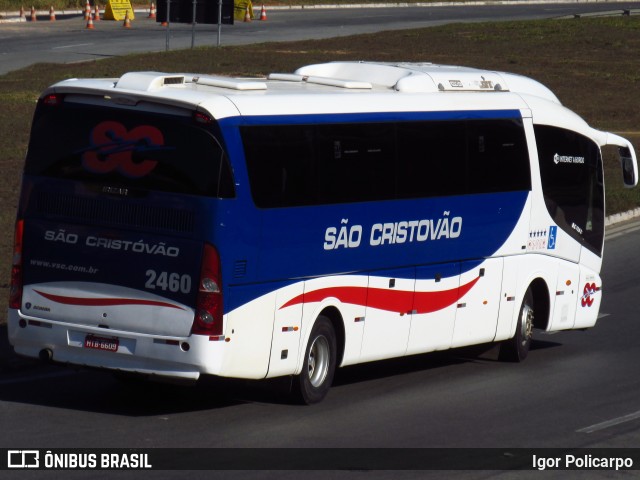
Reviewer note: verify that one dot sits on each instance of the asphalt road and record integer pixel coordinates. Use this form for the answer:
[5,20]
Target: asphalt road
[67,40]
[576,389]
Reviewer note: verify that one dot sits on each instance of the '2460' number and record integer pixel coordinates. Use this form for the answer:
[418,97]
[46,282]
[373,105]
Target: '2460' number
[173,282]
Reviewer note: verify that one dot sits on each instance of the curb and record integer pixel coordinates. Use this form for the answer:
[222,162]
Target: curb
[617,218]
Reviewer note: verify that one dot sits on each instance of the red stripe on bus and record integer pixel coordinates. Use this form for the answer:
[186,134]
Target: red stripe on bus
[401,301]
[104,302]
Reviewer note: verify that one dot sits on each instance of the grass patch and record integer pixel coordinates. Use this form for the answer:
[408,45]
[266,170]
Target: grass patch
[590,64]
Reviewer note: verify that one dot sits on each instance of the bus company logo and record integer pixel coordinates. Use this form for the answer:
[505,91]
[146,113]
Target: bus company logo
[557,158]
[23,459]
[590,289]
[112,148]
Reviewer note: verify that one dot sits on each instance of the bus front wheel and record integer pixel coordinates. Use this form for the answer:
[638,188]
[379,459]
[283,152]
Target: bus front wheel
[516,349]
[314,381]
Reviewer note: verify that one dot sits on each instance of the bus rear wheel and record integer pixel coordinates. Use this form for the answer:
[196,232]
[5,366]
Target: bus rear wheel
[517,348]
[314,381]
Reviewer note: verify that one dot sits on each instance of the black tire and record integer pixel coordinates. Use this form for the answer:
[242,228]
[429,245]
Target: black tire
[517,348]
[316,377]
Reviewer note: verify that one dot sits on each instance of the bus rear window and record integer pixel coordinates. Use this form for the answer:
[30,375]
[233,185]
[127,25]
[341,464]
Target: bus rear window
[128,148]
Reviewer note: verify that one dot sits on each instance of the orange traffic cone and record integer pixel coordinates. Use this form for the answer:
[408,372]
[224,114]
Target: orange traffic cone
[33,14]
[247,15]
[96,14]
[263,14]
[52,14]
[90,23]
[127,21]
[87,11]
[152,11]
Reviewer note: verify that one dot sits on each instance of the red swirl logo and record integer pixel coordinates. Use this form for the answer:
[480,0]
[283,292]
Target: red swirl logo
[587,297]
[113,146]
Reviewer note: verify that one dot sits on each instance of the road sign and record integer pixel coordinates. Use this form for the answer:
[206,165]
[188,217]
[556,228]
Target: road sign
[117,10]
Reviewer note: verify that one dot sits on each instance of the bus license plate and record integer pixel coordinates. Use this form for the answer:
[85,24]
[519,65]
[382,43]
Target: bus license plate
[101,343]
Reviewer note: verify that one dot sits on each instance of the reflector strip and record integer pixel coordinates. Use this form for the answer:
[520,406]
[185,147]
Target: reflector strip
[36,323]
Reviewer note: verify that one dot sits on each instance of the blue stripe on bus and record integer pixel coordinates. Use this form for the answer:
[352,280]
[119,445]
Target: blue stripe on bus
[293,241]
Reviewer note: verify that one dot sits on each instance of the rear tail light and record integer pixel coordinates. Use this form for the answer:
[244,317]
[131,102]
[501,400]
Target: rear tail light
[52,100]
[208,316]
[202,118]
[15,293]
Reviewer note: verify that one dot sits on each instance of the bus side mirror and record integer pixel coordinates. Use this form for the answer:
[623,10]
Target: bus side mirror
[629,169]
[628,160]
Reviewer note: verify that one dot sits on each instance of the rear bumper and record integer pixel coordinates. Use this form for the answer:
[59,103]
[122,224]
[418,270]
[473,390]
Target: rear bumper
[172,357]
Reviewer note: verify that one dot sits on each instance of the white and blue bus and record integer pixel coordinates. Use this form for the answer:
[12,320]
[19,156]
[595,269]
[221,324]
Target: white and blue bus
[178,225]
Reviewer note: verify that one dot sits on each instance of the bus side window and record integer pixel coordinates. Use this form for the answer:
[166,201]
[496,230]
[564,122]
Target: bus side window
[498,157]
[432,159]
[295,165]
[571,174]
[281,165]
[355,162]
